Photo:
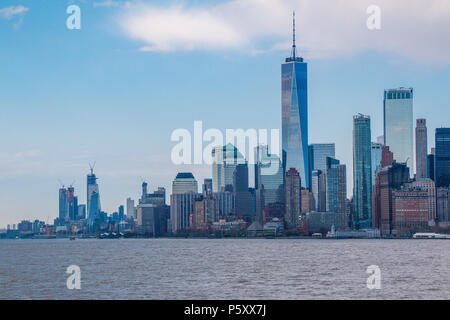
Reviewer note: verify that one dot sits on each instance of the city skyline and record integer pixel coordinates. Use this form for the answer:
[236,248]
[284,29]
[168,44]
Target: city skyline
[32,167]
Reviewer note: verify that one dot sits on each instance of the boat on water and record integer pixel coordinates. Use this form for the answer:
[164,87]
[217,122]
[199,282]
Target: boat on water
[430,235]
[72,238]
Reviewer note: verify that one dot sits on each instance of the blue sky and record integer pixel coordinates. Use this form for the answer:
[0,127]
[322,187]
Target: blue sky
[114,91]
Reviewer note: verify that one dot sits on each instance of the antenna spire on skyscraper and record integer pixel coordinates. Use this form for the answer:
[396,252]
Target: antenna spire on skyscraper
[293,34]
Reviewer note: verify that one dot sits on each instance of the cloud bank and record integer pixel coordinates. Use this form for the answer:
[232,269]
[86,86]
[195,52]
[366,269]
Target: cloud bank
[413,29]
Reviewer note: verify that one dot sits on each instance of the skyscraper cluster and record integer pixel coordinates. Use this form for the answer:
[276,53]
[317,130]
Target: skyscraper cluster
[395,190]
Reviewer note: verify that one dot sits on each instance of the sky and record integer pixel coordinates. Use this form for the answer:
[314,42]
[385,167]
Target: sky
[113,91]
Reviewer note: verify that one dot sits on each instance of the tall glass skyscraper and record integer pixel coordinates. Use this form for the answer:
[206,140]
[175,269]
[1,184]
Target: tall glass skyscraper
[93,197]
[377,150]
[269,175]
[294,113]
[421,148]
[362,172]
[442,157]
[398,124]
[336,186]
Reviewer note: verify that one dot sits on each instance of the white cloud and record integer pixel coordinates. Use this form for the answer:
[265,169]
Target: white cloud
[12,11]
[110,3]
[413,29]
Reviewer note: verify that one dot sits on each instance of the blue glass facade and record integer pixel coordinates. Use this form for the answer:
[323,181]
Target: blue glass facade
[362,172]
[442,157]
[294,104]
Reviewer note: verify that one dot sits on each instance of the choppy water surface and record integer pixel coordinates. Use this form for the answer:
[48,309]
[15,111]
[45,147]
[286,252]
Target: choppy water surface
[224,269]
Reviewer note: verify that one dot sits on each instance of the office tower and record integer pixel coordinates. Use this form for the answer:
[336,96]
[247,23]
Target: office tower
[268,176]
[443,206]
[225,160]
[144,192]
[181,208]
[318,153]
[376,155]
[151,219]
[244,199]
[130,208]
[184,183]
[207,187]
[93,197]
[398,124]
[306,198]
[205,213]
[362,172]
[293,198]
[63,209]
[294,112]
[121,212]
[81,211]
[217,168]
[421,148]
[428,186]
[225,203]
[411,210]
[336,186]
[442,157]
[315,187]
[387,157]
[158,197]
[387,180]
[430,165]
[72,203]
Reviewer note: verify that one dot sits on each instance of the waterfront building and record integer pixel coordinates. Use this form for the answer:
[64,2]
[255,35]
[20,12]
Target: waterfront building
[430,164]
[411,210]
[130,208]
[245,205]
[93,198]
[293,198]
[207,188]
[158,197]
[318,153]
[376,155]
[306,198]
[398,124]
[387,157]
[325,221]
[442,157]
[204,214]
[225,160]
[294,111]
[443,206]
[336,186]
[63,210]
[316,188]
[81,212]
[421,148]
[387,180]
[362,172]
[152,219]
[268,177]
[428,186]
[184,183]
[225,203]
[181,208]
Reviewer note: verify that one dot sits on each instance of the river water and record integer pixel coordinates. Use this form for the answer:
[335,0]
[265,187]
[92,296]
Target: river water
[225,269]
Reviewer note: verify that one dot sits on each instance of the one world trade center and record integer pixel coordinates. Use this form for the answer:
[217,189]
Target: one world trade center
[294,113]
